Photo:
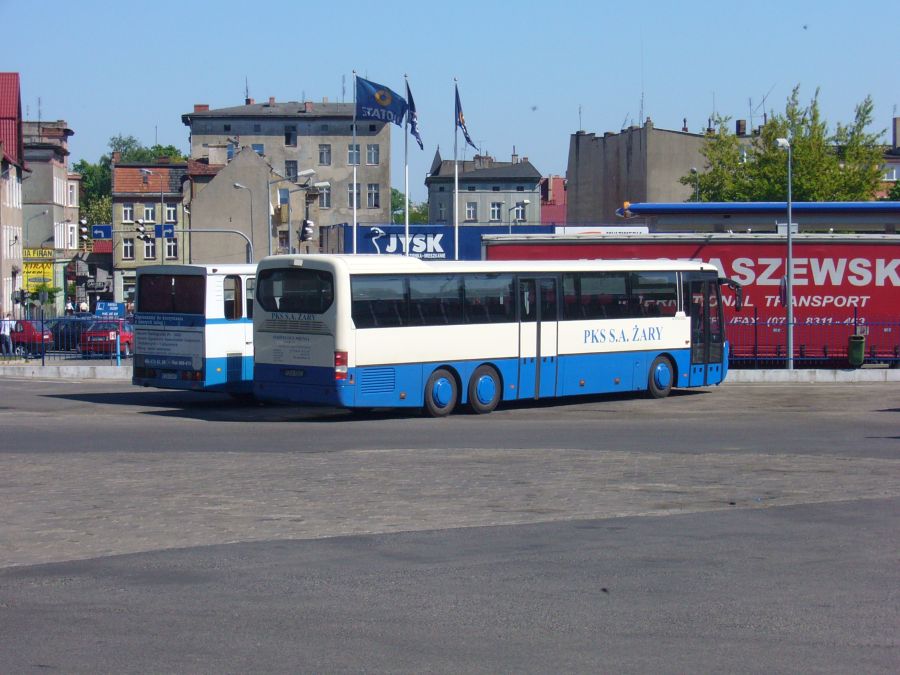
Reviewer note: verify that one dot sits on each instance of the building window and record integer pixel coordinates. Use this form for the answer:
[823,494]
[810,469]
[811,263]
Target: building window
[350,195]
[520,188]
[373,153]
[284,242]
[496,211]
[442,213]
[283,196]
[290,169]
[150,249]
[496,188]
[325,154]
[256,129]
[259,149]
[73,194]
[323,127]
[373,196]
[352,154]
[171,249]
[890,173]
[325,198]
[128,249]
[471,211]
[441,188]
[171,213]
[520,211]
[150,213]
[227,128]
[290,136]
[128,213]
[373,127]
[471,188]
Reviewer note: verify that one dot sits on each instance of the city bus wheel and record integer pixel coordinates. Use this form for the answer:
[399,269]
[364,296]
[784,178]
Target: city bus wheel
[661,377]
[440,393]
[485,390]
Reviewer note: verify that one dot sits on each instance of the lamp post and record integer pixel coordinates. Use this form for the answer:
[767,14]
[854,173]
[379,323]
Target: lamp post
[523,204]
[28,220]
[785,144]
[305,173]
[696,175]
[305,189]
[239,186]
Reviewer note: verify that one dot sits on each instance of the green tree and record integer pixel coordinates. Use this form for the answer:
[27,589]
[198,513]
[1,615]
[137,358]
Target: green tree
[894,193]
[98,211]
[418,213]
[839,166]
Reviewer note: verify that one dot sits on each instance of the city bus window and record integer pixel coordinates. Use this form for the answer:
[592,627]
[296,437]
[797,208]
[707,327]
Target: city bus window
[435,300]
[231,293]
[295,290]
[488,298]
[251,291]
[655,293]
[171,294]
[379,301]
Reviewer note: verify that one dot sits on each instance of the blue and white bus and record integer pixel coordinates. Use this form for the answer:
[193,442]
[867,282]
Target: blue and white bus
[193,327]
[374,331]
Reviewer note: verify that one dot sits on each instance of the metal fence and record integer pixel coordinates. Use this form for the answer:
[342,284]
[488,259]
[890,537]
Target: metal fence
[763,344]
[80,336]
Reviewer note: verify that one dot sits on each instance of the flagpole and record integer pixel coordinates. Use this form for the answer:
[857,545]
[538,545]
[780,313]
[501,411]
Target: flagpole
[353,148]
[406,173]
[455,183]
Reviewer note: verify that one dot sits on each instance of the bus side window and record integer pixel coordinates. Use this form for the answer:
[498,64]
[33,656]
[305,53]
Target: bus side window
[231,293]
[251,291]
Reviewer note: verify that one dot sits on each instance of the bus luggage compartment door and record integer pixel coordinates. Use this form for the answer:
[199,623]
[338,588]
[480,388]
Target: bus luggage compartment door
[538,345]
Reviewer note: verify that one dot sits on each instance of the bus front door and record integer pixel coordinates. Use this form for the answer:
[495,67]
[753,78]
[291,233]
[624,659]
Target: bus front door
[537,337]
[707,337]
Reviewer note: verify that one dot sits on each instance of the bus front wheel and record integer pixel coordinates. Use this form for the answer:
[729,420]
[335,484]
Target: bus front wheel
[484,390]
[662,375]
[441,393]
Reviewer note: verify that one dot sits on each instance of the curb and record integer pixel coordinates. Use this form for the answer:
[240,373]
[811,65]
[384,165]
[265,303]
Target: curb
[28,371]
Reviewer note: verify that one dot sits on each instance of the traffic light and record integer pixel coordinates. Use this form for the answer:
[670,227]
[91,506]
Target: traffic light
[84,232]
[21,296]
[306,230]
[141,230]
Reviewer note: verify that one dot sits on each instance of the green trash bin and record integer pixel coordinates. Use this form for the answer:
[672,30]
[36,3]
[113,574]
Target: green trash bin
[856,350]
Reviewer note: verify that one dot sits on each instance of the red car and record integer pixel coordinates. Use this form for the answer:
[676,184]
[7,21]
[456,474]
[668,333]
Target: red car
[100,338]
[28,339]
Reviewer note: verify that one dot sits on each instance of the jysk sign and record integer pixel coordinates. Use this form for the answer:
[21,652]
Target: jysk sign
[429,242]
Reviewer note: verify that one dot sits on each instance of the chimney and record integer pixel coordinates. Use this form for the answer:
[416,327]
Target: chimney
[117,157]
[740,127]
[515,157]
[307,106]
[201,107]
[271,100]
[897,133]
[524,159]
[249,101]
[684,126]
[324,99]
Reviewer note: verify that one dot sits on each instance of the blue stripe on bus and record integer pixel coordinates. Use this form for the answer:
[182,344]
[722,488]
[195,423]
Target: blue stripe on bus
[225,374]
[403,385]
[150,320]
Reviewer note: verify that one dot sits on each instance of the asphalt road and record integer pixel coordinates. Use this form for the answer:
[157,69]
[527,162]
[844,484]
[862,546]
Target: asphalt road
[748,528]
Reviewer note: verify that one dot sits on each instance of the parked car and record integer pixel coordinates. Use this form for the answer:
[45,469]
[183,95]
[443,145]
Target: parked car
[67,330]
[27,338]
[100,338]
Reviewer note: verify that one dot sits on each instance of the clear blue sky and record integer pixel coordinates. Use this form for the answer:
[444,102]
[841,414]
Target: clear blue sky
[524,67]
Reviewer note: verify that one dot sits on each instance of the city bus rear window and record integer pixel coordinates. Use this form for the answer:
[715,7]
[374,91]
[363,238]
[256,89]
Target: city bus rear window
[301,291]
[171,294]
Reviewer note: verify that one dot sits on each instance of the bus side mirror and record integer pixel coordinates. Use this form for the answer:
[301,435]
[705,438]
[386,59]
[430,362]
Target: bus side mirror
[738,292]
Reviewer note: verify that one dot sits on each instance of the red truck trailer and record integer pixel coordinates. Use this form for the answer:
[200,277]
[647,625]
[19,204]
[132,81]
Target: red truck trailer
[843,285]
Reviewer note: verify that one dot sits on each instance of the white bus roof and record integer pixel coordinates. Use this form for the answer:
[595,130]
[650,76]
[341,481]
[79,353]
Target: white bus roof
[397,264]
[229,268]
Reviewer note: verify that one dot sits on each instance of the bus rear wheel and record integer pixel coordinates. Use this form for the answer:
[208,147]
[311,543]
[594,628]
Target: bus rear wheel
[441,393]
[484,390]
[662,375]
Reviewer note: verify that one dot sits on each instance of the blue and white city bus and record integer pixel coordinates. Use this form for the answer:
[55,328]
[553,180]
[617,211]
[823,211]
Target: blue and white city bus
[193,327]
[374,331]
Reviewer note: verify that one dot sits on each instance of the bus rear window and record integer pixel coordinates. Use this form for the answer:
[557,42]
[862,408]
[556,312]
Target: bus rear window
[171,294]
[295,290]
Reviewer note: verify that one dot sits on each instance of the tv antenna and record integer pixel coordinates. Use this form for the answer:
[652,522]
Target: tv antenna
[761,105]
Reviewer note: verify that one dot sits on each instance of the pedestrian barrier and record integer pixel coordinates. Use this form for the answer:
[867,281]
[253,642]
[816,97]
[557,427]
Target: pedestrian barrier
[80,336]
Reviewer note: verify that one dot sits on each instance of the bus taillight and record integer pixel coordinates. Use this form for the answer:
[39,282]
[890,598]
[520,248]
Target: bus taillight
[340,365]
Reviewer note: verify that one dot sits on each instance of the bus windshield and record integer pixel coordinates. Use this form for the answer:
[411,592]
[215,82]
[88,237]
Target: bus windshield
[289,289]
[171,294]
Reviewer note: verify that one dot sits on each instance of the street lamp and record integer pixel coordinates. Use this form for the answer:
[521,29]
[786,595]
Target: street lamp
[29,219]
[522,204]
[785,144]
[239,186]
[696,175]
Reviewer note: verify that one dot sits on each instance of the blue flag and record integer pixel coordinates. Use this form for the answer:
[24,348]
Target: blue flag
[413,118]
[461,120]
[376,102]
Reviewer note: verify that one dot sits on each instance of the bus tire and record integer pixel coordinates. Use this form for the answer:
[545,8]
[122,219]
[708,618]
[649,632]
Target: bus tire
[441,393]
[661,377]
[485,390]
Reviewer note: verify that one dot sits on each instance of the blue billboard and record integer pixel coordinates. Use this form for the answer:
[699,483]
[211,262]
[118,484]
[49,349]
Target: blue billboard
[429,242]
